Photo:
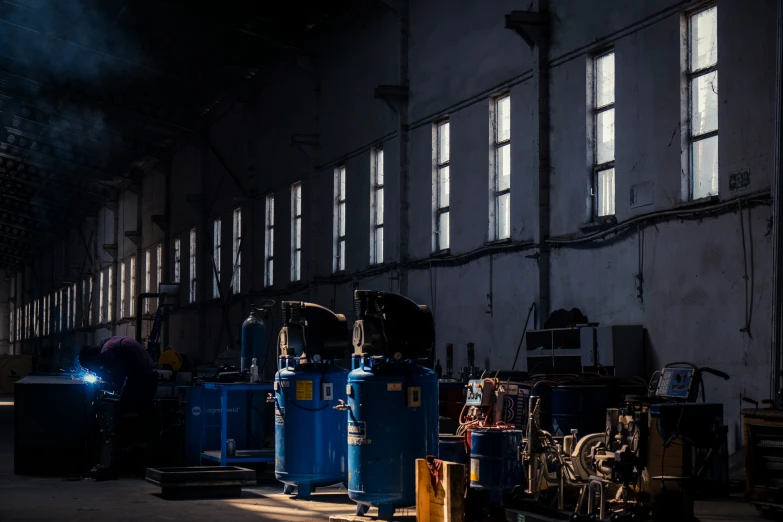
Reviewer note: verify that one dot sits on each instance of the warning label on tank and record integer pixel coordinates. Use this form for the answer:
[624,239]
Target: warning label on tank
[474,470]
[394,386]
[279,415]
[304,390]
[357,433]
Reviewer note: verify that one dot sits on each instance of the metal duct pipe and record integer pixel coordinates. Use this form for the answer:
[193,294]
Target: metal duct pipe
[777,217]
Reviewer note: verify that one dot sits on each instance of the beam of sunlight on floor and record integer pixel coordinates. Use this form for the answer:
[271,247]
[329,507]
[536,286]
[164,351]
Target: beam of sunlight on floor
[322,510]
[6,403]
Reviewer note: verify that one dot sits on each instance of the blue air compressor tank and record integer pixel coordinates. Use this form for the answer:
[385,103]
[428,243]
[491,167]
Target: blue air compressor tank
[392,421]
[311,438]
[310,435]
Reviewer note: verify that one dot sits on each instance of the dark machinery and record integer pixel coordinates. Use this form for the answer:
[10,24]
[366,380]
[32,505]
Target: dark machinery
[623,472]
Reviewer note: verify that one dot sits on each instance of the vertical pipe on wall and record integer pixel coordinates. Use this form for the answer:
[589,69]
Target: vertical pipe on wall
[541,116]
[403,132]
[203,249]
[114,285]
[777,218]
[139,243]
[166,251]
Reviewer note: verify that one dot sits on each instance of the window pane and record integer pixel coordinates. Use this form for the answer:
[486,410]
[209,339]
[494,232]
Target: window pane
[341,219]
[503,217]
[297,200]
[298,233]
[704,104]
[341,183]
[270,213]
[606,192]
[443,142]
[271,240]
[704,39]
[604,80]
[379,167]
[443,231]
[443,187]
[341,253]
[379,207]
[604,136]
[379,245]
[270,272]
[705,167]
[504,168]
[503,114]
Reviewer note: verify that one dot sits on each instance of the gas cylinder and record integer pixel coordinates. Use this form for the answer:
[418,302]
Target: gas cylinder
[392,421]
[253,346]
[310,435]
[253,339]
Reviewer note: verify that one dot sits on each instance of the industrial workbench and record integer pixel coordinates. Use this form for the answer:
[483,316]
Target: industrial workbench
[241,455]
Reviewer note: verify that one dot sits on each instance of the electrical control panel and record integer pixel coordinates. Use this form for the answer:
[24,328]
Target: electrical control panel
[675,383]
[414,396]
[327,391]
[480,392]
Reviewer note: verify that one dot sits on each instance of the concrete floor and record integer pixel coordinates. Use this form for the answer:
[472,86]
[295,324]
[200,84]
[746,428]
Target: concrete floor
[32,499]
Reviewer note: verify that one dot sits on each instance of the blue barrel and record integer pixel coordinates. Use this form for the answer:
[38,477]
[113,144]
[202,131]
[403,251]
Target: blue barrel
[310,435]
[392,421]
[494,459]
[452,448]
[579,407]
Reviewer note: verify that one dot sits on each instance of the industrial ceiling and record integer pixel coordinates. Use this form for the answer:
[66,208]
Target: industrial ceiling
[93,92]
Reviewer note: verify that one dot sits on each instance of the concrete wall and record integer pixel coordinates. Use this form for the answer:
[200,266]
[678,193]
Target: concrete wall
[312,112]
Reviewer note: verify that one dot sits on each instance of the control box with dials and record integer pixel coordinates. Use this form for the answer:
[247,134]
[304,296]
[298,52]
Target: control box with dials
[480,392]
[676,383]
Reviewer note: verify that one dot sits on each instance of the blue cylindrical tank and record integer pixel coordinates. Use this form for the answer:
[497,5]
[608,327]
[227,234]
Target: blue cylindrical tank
[253,345]
[452,448]
[392,421]
[580,407]
[310,435]
[253,341]
[494,459]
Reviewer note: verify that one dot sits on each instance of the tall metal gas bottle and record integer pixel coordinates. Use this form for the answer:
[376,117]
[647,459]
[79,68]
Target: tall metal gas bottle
[392,401]
[253,339]
[254,347]
[310,435]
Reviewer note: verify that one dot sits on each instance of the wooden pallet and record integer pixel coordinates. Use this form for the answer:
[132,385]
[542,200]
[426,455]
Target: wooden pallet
[445,502]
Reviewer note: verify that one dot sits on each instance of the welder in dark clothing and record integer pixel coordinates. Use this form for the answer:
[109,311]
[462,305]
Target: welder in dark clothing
[124,364]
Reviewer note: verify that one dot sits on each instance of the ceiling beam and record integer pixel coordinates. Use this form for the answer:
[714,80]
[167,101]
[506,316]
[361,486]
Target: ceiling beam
[42,161]
[28,141]
[35,36]
[23,84]
[48,184]
[21,116]
[251,28]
